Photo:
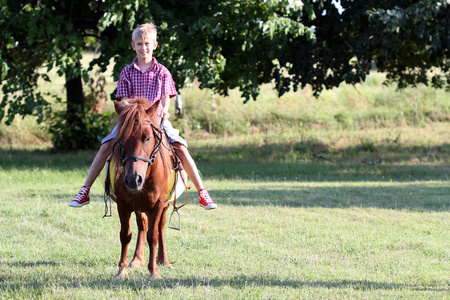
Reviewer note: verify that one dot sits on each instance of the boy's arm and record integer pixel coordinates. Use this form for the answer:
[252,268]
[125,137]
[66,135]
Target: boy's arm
[165,102]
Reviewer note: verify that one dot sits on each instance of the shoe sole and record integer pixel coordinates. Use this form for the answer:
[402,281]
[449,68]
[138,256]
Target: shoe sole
[208,208]
[78,205]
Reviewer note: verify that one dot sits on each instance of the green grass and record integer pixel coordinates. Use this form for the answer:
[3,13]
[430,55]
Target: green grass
[285,230]
[268,239]
[363,106]
[341,197]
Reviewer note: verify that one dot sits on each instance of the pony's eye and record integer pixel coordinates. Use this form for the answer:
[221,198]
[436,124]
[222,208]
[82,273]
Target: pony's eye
[147,139]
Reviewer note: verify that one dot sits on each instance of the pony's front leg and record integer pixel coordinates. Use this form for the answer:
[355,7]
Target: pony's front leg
[162,258]
[152,236]
[125,238]
[142,223]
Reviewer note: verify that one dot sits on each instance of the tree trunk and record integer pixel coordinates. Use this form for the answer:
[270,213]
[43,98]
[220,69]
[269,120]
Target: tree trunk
[75,102]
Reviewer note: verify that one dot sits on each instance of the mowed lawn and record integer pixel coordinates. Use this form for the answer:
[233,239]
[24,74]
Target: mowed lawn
[306,229]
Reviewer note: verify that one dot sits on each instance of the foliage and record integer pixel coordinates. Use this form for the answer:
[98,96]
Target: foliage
[54,34]
[412,40]
[39,36]
[404,38]
[66,137]
[229,44]
[223,44]
[94,124]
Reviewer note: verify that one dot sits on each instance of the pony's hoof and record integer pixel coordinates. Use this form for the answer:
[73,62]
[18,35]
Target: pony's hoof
[137,263]
[166,263]
[122,274]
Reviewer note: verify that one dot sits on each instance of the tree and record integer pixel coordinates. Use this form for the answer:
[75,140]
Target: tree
[407,39]
[37,35]
[225,44]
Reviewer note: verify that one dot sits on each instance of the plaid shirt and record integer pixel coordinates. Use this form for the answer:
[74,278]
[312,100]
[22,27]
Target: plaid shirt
[152,84]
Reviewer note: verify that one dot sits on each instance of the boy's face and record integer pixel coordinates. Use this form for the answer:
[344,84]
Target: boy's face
[144,48]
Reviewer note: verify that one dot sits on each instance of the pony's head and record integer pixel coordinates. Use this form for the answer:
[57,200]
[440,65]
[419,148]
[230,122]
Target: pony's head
[138,135]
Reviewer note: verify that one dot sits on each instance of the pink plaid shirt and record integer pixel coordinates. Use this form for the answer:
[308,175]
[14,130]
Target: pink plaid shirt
[155,82]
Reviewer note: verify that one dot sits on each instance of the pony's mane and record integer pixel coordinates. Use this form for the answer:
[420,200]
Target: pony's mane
[132,116]
[130,121]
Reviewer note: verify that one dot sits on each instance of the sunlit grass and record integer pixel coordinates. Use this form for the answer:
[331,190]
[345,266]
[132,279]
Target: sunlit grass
[344,196]
[287,226]
[268,239]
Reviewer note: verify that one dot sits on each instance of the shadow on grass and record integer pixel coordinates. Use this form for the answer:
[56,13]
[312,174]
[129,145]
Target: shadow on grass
[257,167]
[276,162]
[323,171]
[417,197]
[313,161]
[24,159]
[237,282]
[413,196]
[29,264]
[242,281]
[368,153]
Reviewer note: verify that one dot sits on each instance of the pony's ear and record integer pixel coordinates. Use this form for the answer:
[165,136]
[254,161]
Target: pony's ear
[152,110]
[118,106]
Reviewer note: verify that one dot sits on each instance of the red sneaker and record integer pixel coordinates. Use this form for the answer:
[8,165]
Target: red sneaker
[205,200]
[82,198]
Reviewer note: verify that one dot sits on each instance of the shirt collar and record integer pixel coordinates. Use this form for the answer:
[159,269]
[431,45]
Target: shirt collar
[154,67]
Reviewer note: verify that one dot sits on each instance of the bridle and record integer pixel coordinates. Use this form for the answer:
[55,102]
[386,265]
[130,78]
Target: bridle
[157,133]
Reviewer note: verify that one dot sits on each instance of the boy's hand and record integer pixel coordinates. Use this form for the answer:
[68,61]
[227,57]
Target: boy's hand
[165,103]
[165,115]
[124,100]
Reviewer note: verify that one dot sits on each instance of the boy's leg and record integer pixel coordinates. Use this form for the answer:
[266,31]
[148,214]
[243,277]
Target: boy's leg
[82,198]
[191,169]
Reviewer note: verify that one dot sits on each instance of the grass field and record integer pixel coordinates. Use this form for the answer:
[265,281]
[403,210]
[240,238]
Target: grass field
[321,201]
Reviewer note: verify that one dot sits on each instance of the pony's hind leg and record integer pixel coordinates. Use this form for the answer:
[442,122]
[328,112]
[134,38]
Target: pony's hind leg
[142,224]
[162,258]
[125,238]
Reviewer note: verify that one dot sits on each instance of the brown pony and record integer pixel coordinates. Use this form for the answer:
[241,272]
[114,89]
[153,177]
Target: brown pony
[143,170]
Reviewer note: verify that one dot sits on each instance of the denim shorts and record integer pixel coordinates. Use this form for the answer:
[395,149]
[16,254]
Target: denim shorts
[172,133]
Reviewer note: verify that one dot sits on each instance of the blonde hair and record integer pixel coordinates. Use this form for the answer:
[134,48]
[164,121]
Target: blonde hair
[144,31]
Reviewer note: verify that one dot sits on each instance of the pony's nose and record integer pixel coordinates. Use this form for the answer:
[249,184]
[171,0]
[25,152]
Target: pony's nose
[133,182]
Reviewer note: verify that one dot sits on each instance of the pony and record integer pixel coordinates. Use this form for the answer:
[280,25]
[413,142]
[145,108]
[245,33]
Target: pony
[141,182]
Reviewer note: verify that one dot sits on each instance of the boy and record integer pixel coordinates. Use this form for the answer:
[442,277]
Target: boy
[147,78]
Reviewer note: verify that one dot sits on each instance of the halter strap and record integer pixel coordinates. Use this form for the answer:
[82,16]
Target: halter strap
[158,140]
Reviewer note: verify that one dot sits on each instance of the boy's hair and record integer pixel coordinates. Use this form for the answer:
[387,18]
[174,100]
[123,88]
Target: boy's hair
[144,31]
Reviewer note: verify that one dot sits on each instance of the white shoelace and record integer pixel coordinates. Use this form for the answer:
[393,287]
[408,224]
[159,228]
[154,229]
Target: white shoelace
[206,197]
[83,192]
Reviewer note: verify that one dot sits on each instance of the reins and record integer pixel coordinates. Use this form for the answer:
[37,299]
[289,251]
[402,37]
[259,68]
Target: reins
[157,133]
[177,168]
